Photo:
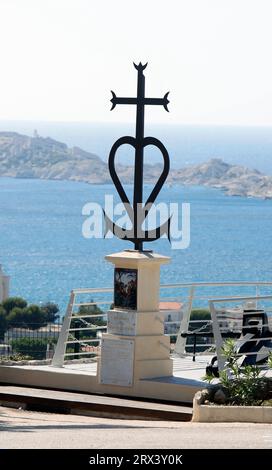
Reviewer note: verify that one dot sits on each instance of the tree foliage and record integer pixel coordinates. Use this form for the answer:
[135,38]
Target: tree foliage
[29,317]
[51,311]
[16,313]
[3,323]
[88,322]
[13,302]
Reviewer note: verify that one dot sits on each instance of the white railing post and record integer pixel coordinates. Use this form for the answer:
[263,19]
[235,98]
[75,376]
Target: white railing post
[180,348]
[216,327]
[58,358]
[217,336]
[184,324]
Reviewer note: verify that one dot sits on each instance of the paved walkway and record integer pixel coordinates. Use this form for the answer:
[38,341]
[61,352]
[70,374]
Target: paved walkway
[95,405]
[33,430]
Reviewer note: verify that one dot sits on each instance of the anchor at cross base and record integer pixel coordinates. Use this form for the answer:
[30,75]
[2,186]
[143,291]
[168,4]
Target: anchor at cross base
[139,210]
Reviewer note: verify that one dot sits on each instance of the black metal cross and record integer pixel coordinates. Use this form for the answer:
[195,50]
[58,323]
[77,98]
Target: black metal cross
[139,143]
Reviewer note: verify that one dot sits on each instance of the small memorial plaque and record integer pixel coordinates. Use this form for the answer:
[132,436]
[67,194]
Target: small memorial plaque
[117,362]
[125,288]
[121,322]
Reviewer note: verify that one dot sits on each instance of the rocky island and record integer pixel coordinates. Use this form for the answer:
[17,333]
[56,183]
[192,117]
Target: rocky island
[22,156]
[234,180]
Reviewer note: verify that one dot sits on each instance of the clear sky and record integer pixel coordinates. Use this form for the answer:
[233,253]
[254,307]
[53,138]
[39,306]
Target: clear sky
[61,58]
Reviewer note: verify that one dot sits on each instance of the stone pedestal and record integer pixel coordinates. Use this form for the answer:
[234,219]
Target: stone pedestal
[135,346]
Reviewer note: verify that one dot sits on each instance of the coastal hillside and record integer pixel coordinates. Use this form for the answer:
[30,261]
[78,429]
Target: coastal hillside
[235,180]
[22,156]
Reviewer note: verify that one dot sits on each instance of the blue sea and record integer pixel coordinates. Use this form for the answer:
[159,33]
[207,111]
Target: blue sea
[44,252]
[41,242]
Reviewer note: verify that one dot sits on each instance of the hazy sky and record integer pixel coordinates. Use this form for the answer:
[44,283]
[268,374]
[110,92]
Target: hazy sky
[61,58]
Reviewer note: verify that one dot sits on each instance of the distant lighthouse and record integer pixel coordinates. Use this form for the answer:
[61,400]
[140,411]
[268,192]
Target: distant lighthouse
[4,285]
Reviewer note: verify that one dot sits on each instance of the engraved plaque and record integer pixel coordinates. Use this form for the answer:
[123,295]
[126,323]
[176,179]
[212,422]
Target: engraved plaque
[117,362]
[121,322]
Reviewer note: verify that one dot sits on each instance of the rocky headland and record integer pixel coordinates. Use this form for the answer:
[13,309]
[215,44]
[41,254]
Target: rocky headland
[22,156]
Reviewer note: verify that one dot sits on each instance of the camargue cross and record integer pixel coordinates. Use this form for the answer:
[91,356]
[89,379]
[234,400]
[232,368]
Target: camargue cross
[139,210]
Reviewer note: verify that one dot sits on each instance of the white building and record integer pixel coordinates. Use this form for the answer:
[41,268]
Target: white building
[172,316]
[4,285]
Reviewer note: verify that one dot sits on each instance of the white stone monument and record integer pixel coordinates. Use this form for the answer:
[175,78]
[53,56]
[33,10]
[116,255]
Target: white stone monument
[4,285]
[135,346]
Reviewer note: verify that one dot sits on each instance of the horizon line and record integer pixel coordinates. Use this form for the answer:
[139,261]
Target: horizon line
[153,123]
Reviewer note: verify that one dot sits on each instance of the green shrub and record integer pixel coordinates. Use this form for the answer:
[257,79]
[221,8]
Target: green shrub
[200,314]
[34,348]
[245,385]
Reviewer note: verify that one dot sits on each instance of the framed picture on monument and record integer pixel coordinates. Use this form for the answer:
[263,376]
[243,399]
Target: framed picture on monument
[125,288]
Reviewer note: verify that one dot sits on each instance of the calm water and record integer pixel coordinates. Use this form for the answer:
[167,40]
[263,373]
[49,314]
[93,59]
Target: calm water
[44,252]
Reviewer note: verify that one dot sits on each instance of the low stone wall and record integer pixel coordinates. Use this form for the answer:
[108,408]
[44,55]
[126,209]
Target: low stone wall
[221,413]
[42,362]
[9,362]
[87,380]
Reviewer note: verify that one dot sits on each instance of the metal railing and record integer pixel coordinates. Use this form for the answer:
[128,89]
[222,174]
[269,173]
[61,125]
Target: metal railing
[34,341]
[262,343]
[81,331]
[74,341]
